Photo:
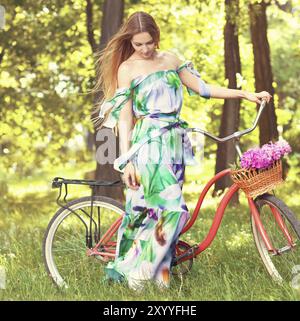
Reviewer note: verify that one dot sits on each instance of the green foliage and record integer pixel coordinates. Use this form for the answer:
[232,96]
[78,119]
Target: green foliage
[48,69]
[45,74]
[286,65]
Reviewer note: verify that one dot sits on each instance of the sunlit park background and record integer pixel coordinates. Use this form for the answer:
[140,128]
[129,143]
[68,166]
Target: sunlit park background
[47,55]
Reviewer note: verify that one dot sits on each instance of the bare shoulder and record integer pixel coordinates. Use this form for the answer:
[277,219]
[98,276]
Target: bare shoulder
[124,74]
[172,59]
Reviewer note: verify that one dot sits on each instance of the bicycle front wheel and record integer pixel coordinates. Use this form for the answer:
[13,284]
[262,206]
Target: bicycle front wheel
[284,234]
[72,232]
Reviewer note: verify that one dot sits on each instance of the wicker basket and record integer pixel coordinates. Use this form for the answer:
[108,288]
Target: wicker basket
[256,182]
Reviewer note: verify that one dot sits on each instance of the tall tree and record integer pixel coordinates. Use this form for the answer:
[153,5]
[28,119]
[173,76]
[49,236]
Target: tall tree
[226,152]
[263,69]
[43,109]
[112,16]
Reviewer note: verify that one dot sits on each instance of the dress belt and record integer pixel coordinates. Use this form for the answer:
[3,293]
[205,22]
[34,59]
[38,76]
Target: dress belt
[122,161]
[161,117]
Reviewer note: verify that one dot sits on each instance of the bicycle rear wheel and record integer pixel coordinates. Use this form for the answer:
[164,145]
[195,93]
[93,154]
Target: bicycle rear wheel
[285,239]
[67,239]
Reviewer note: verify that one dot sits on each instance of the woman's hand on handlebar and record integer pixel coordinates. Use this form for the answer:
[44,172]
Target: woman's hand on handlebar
[258,97]
[129,177]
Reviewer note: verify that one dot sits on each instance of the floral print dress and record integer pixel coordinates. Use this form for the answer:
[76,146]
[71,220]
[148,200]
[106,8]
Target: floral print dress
[155,213]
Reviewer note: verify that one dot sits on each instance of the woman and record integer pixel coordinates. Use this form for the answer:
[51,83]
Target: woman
[143,93]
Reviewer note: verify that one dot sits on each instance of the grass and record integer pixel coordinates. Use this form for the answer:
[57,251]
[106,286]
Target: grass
[230,269]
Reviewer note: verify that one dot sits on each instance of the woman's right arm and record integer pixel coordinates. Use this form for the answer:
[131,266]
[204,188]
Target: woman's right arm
[125,127]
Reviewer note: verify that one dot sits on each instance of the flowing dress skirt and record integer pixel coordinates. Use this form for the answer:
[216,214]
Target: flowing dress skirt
[155,214]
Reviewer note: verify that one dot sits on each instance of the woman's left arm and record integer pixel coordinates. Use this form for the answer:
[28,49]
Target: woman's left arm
[193,81]
[225,93]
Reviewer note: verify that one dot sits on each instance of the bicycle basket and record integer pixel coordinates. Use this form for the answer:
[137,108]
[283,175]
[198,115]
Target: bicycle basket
[256,182]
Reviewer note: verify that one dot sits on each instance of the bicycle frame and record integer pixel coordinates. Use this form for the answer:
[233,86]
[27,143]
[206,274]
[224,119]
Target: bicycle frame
[195,250]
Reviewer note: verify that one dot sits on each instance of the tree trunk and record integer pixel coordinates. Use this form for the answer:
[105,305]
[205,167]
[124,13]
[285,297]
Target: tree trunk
[112,16]
[263,70]
[226,152]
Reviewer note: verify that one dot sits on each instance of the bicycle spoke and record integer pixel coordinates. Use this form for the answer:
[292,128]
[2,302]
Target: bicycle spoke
[284,261]
[66,254]
[65,250]
[68,241]
[281,233]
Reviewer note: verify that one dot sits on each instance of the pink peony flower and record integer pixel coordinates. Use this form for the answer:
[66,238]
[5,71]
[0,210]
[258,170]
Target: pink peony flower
[264,157]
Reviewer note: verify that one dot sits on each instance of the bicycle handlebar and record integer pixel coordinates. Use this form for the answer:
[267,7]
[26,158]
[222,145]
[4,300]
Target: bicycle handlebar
[237,134]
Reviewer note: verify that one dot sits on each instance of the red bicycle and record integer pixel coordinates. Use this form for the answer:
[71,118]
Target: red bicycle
[84,231]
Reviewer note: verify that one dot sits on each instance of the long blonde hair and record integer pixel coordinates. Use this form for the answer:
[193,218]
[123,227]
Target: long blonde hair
[119,49]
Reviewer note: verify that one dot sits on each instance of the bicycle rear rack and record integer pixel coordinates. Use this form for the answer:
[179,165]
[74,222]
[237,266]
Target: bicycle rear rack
[59,182]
